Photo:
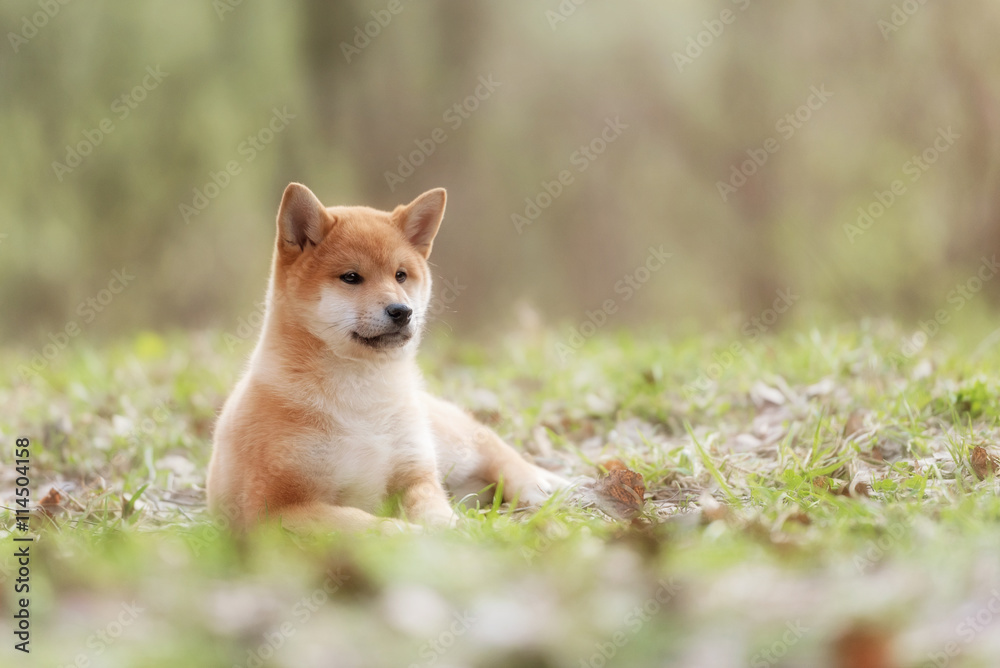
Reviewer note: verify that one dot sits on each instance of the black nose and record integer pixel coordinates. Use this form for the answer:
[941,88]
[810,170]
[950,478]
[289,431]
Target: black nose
[400,313]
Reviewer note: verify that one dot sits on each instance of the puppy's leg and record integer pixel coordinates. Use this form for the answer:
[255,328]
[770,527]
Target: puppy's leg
[317,516]
[422,498]
[471,456]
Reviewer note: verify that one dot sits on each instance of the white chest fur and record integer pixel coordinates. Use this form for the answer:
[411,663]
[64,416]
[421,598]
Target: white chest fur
[377,428]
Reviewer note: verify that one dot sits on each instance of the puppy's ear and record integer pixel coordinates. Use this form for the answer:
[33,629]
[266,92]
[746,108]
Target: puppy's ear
[302,220]
[420,219]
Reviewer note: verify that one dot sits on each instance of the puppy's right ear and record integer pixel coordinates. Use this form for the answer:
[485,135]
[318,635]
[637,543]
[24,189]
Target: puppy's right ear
[302,220]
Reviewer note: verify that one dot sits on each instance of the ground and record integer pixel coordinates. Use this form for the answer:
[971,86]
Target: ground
[818,498]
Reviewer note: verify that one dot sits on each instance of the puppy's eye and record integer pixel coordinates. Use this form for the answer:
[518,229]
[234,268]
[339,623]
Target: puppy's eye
[351,278]
[400,276]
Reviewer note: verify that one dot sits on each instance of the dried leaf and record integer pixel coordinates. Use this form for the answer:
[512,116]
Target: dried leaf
[613,465]
[621,494]
[983,463]
[821,482]
[855,489]
[864,648]
[51,503]
[855,423]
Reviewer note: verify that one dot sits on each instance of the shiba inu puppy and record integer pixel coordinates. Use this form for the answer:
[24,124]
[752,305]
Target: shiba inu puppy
[331,417]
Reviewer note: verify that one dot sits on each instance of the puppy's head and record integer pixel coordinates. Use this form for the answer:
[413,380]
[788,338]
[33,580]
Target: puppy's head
[356,278]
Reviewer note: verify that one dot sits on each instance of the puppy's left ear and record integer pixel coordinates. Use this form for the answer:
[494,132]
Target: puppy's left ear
[420,219]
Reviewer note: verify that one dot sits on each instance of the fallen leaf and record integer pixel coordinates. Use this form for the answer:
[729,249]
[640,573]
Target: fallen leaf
[855,423]
[51,503]
[855,489]
[613,465]
[621,493]
[863,648]
[983,463]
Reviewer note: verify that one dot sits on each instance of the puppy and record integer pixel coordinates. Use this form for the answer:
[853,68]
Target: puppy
[331,419]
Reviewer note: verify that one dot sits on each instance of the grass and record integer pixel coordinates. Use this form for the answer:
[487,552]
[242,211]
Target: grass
[810,501]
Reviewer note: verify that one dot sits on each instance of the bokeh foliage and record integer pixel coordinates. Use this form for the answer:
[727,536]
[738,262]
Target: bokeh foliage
[656,184]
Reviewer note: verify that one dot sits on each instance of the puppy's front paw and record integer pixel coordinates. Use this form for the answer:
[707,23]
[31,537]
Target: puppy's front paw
[552,482]
[539,486]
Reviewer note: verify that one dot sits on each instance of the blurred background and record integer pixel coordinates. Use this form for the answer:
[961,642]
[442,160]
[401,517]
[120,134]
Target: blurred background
[845,152]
